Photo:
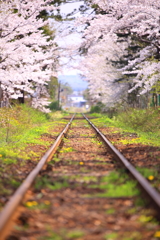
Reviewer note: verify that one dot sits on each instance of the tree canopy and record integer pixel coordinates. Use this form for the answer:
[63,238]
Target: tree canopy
[28,52]
[121,47]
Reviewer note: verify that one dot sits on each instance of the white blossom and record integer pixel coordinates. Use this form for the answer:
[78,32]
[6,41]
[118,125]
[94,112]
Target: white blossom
[108,34]
[23,47]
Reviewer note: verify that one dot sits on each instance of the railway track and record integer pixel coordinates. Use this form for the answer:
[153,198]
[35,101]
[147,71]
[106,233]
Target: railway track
[70,197]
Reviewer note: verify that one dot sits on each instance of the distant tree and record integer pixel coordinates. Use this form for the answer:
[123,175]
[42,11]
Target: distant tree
[53,87]
[65,91]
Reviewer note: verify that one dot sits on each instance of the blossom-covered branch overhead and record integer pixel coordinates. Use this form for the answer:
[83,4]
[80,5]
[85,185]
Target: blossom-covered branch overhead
[122,37]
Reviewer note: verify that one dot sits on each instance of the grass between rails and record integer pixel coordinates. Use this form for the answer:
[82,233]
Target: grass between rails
[106,183]
[64,234]
[116,184]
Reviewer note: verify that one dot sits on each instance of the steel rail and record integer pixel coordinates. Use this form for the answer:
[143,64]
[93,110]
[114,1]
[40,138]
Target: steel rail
[151,192]
[11,206]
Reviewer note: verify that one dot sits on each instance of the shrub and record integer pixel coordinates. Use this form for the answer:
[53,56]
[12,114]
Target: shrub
[97,108]
[54,106]
[146,120]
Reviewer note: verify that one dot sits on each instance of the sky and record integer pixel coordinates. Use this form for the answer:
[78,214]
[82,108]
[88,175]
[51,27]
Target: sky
[75,81]
[67,8]
[68,74]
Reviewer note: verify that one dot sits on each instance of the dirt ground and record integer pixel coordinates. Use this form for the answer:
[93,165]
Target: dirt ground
[67,201]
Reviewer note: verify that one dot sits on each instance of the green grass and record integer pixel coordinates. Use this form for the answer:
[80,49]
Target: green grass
[22,125]
[83,179]
[63,234]
[124,236]
[127,189]
[147,172]
[110,211]
[144,122]
[74,234]
[17,123]
[117,184]
[111,236]
[51,236]
[66,150]
[37,205]
[45,182]
[96,142]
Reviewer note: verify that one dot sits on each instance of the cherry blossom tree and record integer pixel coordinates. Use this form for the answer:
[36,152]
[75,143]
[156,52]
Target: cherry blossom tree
[27,55]
[109,64]
[101,73]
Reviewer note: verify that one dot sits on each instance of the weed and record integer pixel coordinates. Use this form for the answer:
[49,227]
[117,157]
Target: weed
[145,219]
[63,234]
[45,182]
[83,135]
[111,236]
[36,205]
[101,163]
[130,141]
[85,179]
[51,236]
[125,236]
[132,236]
[15,183]
[4,190]
[55,159]
[144,122]
[132,210]
[75,234]
[127,189]
[84,170]
[65,140]
[148,173]
[112,177]
[9,161]
[17,121]
[99,159]
[139,202]
[22,125]
[96,142]
[66,150]
[117,184]
[86,125]
[110,211]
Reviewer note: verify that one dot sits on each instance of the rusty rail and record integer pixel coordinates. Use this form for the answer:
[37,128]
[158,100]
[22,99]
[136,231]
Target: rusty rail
[151,192]
[9,210]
